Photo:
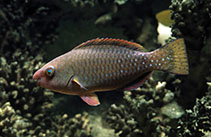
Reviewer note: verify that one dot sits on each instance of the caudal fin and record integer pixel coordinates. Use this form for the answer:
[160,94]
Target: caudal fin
[173,57]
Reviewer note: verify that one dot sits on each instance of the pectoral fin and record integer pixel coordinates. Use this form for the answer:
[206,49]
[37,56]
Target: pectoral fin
[91,99]
[75,81]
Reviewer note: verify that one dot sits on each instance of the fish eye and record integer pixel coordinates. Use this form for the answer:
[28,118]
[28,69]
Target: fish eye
[50,71]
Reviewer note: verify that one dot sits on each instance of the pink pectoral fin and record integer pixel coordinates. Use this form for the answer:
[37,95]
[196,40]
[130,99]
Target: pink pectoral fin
[91,99]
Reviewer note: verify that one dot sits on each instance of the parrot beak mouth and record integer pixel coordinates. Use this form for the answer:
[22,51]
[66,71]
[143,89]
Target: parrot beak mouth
[37,76]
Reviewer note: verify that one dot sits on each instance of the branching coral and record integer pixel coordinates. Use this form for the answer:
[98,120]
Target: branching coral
[25,107]
[25,23]
[152,110]
[78,126]
[149,111]
[17,83]
[196,122]
[24,101]
[12,124]
[120,119]
[192,22]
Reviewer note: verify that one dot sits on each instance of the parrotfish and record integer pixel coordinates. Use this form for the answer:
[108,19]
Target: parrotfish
[109,65]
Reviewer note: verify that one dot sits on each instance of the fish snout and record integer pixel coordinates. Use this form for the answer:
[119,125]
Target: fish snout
[37,75]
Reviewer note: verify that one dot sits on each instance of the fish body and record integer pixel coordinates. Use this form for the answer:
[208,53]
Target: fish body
[109,64]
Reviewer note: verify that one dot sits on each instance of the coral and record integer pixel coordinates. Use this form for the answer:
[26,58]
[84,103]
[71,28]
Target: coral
[209,86]
[172,110]
[192,15]
[26,24]
[25,108]
[11,123]
[78,126]
[82,3]
[21,34]
[120,2]
[120,119]
[196,121]
[192,22]
[20,96]
[147,111]
[18,87]
[138,24]
[152,110]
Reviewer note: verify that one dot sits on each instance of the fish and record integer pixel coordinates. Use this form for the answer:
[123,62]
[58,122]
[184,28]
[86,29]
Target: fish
[164,25]
[164,17]
[106,64]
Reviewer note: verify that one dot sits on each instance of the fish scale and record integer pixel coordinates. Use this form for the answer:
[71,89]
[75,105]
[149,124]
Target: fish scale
[109,64]
[101,61]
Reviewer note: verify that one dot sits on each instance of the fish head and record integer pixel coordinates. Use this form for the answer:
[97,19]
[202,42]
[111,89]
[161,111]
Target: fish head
[52,76]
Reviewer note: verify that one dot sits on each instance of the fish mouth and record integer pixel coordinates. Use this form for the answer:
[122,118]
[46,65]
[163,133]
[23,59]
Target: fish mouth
[37,77]
[38,81]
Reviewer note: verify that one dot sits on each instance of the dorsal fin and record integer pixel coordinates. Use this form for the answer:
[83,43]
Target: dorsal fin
[111,41]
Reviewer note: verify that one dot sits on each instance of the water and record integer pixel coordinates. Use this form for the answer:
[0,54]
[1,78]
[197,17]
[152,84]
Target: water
[34,32]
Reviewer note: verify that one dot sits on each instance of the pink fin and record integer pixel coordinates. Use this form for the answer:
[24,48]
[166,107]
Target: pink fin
[91,99]
[139,82]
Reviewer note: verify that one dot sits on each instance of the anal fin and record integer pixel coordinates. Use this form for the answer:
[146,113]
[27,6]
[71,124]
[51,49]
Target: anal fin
[91,99]
[138,82]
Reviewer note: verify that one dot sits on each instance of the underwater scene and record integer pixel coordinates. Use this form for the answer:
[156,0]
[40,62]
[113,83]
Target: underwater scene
[105,68]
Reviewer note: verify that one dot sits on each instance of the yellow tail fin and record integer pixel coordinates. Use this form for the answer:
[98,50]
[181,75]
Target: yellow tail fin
[173,57]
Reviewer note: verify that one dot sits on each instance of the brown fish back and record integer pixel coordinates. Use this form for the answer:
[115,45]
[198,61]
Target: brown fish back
[111,41]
